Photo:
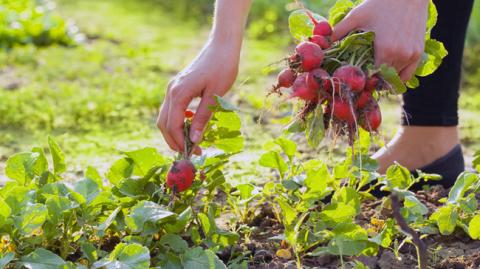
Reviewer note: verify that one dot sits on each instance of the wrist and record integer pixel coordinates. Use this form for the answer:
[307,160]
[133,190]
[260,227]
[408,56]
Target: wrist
[226,37]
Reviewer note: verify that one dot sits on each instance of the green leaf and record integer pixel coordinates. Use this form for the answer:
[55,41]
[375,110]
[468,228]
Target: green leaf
[340,10]
[121,169]
[349,239]
[288,147]
[434,53]
[146,159]
[42,259]
[337,213]
[175,242]
[6,258]
[213,258]
[432,18]
[207,226]
[126,256]
[33,217]
[23,167]
[315,131]
[223,132]
[104,226]
[131,187]
[474,228]
[273,159]
[413,82]
[146,212]
[316,181]
[391,76]
[469,204]
[57,206]
[181,223]
[348,196]
[88,188]
[5,212]
[288,212]
[399,177]
[415,206]
[223,105]
[464,181]
[196,258]
[57,156]
[446,218]
[17,199]
[89,251]
[247,191]
[300,24]
[94,175]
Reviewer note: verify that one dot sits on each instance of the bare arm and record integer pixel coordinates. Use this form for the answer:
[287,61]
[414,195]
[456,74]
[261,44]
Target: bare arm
[212,73]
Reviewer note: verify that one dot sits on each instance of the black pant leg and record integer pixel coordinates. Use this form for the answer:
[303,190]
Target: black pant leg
[435,101]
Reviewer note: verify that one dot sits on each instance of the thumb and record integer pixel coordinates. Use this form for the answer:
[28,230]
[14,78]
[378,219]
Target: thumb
[349,23]
[201,118]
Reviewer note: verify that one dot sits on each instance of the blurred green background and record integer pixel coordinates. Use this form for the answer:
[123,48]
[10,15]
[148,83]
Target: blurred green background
[93,74]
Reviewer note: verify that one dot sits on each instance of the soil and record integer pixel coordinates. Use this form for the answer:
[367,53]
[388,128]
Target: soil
[456,251]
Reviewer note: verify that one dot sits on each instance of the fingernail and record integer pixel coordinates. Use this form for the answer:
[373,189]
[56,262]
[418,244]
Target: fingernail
[196,136]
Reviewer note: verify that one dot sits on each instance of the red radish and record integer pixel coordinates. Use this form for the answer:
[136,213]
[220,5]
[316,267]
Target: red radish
[301,89]
[327,85]
[342,111]
[374,83]
[363,99]
[351,75]
[320,40]
[189,114]
[310,54]
[181,175]
[372,119]
[320,27]
[285,78]
[315,78]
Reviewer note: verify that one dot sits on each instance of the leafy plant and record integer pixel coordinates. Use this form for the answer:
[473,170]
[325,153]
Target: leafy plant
[34,22]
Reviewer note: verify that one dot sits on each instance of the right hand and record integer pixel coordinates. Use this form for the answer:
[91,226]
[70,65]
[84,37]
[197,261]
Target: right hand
[399,28]
[212,73]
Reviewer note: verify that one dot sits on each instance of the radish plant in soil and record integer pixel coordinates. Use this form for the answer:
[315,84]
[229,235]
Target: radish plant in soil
[155,212]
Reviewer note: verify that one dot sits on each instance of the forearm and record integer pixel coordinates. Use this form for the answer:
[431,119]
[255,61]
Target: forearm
[229,22]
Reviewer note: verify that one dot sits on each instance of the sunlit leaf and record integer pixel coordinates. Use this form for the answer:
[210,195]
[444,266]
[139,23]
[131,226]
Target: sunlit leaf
[42,259]
[301,26]
[126,256]
[57,156]
[32,218]
[474,228]
[463,182]
[446,218]
[146,212]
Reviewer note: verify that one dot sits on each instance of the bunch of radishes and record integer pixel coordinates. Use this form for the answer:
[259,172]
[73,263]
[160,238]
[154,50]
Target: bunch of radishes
[320,72]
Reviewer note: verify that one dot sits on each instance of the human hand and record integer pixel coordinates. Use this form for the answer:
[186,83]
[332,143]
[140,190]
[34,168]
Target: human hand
[212,73]
[399,27]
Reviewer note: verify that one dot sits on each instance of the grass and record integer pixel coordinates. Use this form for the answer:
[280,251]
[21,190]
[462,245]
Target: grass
[102,97]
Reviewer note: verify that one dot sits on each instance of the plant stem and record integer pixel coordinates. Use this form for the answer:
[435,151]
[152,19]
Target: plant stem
[299,262]
[419,244]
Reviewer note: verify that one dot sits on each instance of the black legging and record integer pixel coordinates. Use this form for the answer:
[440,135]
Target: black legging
[435,101]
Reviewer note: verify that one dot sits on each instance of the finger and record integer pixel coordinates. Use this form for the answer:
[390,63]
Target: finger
[201,118]
[162,124]
[383,55]
[408,72]
[349,23]
[179,101]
